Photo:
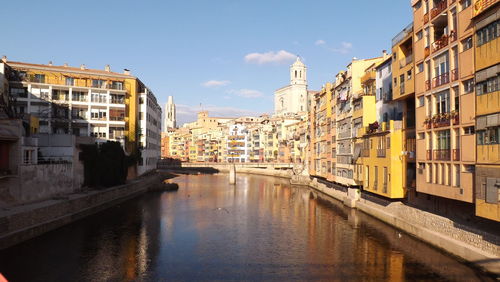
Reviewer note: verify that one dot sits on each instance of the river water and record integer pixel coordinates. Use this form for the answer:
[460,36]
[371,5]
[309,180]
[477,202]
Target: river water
[260,229]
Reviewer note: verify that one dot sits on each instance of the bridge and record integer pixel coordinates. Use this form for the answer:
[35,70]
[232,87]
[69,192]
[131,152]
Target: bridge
[222,166]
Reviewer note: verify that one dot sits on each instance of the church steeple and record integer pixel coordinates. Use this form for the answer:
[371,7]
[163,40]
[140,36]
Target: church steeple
[298,73]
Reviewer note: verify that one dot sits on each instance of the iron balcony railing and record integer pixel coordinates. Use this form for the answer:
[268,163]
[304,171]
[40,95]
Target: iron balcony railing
[442,155]
[441,79]
[440,7]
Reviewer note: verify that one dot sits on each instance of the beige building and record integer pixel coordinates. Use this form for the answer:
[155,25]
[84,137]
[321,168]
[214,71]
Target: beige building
[445,98]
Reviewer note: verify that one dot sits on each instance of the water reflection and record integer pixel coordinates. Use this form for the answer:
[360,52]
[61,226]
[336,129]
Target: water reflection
[259,229]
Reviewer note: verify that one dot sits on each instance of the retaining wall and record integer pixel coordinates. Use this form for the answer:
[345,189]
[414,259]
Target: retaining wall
[25,222]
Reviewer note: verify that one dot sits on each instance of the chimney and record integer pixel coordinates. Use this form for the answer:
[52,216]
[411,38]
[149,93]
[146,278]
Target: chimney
[82,66]
[65,65]
[384,53]
[126,71]
[107,68]
[50,63]
[4,59]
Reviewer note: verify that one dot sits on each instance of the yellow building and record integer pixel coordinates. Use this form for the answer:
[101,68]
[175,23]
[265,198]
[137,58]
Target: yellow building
[381,159]
[487,68]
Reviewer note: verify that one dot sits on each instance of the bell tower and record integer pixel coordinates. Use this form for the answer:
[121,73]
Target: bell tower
[298,73]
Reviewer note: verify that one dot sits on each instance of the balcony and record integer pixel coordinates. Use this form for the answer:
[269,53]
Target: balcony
[406,61]
[411,147]
[442,155]
[429,155]
[441,120]
[426,18]
[427,51]
[456,155]
[369,75]
[440,43]
[441,79]
[439,7]
[454,74]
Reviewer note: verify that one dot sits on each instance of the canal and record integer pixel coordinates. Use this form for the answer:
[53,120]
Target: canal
[260,229]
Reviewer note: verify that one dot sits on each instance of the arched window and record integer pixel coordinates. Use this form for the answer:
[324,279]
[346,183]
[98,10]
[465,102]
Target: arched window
[300,74]
[295,74]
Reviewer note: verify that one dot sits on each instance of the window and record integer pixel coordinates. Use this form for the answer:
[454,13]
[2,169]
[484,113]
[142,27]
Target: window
[443,140]
[420,67]
[386,177]
[465,4]
[409,75]
[488,33]
[466,44]
[28,157]
[375,183]
[70,81]
[490,136]
[40,78]
[469,130]
[421,101]
[443,102]
[487,86]
[468,85]
[420,35]
[98,83]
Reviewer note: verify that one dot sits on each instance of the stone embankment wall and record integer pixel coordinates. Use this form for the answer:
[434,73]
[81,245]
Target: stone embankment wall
[24,222]
[466,242]
[39,182]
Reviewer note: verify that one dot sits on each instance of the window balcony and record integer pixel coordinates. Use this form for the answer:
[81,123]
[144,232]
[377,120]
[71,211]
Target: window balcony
[438,8]
[441,79]
[456,155]
[440,43]
[441,120]
[442,155]
[454,74]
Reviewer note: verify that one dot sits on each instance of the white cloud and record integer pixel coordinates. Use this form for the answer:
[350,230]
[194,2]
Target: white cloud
[345,48]
[215,83]
[270,57]
[246,93]
[319,42]
[186,113]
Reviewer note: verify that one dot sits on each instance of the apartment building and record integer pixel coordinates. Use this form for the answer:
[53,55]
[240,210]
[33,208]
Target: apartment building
[237,144]
[487,68]
[150,130]
[79,101]
[354,110]
[402,101]
[445,100]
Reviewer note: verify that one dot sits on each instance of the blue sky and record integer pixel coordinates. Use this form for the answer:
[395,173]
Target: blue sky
[224,54]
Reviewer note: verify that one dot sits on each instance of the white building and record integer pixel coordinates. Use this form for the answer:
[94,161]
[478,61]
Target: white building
[386,108]
[150,131]
[170,120]
[292,99]
[237,148]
